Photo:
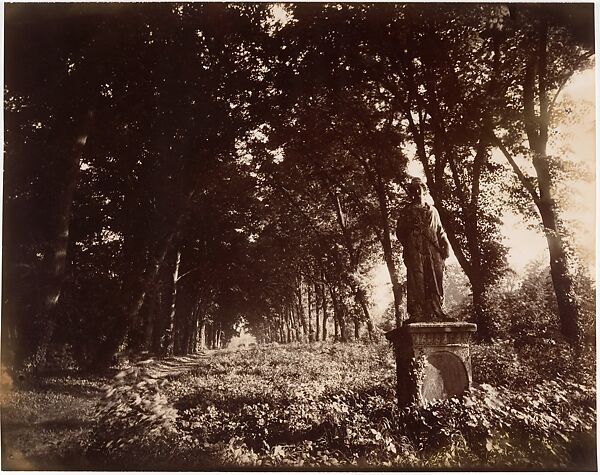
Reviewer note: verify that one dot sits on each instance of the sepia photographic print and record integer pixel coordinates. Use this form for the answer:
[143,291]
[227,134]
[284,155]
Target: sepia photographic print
[299,237]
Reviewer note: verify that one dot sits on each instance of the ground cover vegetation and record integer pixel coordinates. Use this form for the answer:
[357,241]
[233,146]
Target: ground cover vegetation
[178,173]
[309,405]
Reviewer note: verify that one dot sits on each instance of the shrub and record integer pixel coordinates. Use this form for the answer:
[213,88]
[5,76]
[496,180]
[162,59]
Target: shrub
[505,428]
[133,414]
[508,364]
[334,406]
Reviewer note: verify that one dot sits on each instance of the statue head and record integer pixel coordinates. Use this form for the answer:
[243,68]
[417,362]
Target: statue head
[416,188]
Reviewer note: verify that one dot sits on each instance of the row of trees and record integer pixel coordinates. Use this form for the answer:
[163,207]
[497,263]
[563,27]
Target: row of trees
[172,169]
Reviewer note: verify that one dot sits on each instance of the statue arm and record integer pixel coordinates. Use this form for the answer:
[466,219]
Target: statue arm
[444,244]
[442,238]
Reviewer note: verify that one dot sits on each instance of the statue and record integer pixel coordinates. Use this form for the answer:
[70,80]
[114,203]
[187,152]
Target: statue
[433,359]
[425,250]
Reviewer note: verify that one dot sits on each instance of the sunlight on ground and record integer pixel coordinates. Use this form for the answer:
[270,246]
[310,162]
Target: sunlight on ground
[245,339]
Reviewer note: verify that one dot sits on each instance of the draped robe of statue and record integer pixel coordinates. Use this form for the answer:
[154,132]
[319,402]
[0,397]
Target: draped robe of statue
[425,249]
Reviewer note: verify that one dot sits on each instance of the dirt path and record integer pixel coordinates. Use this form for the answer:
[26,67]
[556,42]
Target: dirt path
[174,365]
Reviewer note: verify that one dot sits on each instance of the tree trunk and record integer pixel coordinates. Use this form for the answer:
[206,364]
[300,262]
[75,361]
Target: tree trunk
[365,308]
[209,334]
[397,288]
[334,304]
[370,329]
[324,300]
[190,326]
[568,310]
[290,316]
[288,327]
[301,314]
[213,341]
[537,134]
[158,327]
[311,334]
[336,329]
[281,329]
[151,319]
[296,319]
[470,208]
[480,311]
[360,298]
[357,290]
[57,241]
[356,322]
[338,316]
[163,335]
[317,306]
[343,327]
[383,235]
[220,336]
[134,295]
[171,328]
[193,338]
[200,345]
[134,299]
[388,255]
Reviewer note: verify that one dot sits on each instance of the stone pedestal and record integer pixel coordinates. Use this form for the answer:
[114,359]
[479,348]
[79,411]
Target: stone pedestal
[433,360]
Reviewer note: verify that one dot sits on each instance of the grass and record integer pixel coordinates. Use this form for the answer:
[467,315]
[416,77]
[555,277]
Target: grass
[281,373]
[45,420]
[312,406]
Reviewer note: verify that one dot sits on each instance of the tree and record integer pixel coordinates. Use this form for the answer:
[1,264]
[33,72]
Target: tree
[189,167]
[169,62]
[48,47]
[327,104]
[442,114]
[560,37]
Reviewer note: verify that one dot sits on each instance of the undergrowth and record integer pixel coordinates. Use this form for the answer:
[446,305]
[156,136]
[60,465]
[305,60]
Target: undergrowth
[320,406]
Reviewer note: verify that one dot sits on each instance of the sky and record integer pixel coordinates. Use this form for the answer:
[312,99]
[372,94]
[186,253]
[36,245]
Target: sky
[526,245]
[580,139]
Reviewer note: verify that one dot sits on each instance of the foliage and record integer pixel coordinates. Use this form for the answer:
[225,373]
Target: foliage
[133,412]
[324,405]
[190,167]
[317,406]
[268,154]
[525,312]
[506,428]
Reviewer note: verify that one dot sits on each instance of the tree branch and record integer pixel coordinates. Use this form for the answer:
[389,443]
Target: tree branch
[567,78]
[522,178]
